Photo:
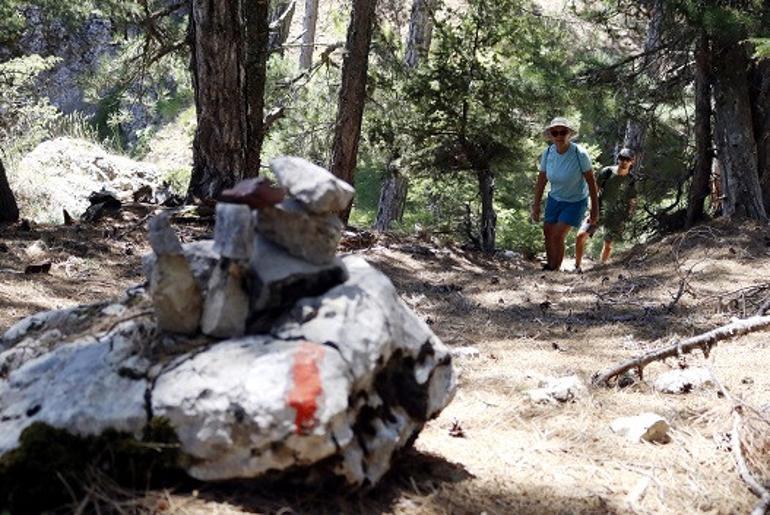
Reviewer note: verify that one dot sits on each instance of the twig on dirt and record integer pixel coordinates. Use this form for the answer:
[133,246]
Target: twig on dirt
[704,342]
[754,485]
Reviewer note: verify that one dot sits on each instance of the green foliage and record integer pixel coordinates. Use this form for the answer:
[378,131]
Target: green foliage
[27,117]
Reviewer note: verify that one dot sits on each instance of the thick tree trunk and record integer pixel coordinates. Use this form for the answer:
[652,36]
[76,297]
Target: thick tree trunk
[699,188]
[9,211]
[280,24]
[760,104]
[734,130]
[229,56]
[392,198]
[488,216]
[635,128]
[350,106]
[308,34]
[420,32]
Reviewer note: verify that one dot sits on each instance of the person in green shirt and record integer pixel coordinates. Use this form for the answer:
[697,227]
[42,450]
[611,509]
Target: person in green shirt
[617,200]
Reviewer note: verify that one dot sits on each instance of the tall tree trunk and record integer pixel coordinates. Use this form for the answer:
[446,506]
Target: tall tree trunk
[635,128]
[308,34]
[352,95]
[395,186]
[280,24]
[9,211]
[392,197]
[734,129]
[488,217]
[760,105]
[229,59]
[420,32]
[699,188]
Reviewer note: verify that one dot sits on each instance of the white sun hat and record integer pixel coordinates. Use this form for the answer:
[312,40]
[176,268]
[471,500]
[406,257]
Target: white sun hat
[560,122]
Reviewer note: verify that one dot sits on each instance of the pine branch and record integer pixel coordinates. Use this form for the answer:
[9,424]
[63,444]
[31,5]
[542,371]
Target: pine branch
[704,342]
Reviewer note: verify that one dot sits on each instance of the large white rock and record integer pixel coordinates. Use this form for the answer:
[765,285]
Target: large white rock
[683,380]
[558,389]
[317,188]
[84,387]
[61,173]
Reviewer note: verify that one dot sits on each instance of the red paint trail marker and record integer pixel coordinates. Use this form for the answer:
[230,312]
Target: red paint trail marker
[303,396]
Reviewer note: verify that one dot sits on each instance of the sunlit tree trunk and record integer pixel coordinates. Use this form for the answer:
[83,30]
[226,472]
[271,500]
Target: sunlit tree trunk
[635,128]
[488,216]
[309,21]
[352,94]
[280,24]
[760,104]
[9,211]
[229,58]
[420,32]
[395,185]
[737,148]
[699,188]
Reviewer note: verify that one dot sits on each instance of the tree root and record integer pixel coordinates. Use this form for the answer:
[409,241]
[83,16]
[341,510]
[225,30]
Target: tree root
[704,342]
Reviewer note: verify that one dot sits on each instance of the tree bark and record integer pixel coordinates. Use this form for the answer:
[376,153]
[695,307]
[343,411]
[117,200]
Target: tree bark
[420,32]
[488,216]
[760,105]
[280,24]
[395,185]
[734,129]
[308,34]
[229,58]
[392,198]
[699,189]
[352,94]
[635,128]
[9,210]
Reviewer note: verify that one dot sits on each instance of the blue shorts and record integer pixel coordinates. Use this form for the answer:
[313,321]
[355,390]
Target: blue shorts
[571,213]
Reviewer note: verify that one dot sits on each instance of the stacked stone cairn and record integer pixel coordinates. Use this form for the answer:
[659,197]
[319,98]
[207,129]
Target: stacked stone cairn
[261,349]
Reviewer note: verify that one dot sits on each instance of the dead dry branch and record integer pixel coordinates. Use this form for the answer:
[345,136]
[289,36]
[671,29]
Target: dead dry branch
[704,342]
[738,443]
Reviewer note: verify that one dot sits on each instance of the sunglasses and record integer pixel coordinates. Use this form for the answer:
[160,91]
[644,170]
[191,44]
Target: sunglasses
[561,132]
[621,158]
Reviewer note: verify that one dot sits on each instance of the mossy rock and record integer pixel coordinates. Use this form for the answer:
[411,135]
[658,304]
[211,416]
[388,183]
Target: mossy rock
[51,466]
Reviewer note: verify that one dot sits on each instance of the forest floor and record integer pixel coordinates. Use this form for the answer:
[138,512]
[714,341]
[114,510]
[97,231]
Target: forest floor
[506,454]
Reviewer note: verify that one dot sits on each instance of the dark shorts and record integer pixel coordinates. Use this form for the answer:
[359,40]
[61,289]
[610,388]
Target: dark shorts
[570,213]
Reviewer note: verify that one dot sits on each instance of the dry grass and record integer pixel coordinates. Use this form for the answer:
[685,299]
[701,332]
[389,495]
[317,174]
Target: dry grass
[516,456]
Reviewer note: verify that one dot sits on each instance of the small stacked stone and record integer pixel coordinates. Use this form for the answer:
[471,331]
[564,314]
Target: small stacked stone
[306,224]
[258,263]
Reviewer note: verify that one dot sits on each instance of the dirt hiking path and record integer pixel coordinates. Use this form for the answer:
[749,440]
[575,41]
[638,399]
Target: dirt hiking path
[493,450]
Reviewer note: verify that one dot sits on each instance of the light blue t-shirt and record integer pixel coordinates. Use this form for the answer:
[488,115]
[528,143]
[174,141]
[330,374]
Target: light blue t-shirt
[565,172]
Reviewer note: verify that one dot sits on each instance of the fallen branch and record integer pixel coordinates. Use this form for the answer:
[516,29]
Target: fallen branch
[754,485]
[704,342]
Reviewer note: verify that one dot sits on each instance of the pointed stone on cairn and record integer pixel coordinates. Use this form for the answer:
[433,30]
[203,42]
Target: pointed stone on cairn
[227,297]
[175,294]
